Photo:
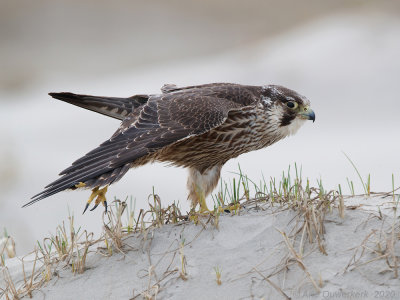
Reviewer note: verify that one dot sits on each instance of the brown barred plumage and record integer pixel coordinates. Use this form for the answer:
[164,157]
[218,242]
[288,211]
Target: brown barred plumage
[198,127]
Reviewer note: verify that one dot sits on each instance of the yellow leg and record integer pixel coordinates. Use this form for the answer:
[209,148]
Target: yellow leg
[201,200]
[203,204]
[101,198]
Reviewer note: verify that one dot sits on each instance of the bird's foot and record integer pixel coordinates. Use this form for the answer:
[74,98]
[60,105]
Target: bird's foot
[203,212]
[230,208]
[203,209]
[195,217]
[101,198]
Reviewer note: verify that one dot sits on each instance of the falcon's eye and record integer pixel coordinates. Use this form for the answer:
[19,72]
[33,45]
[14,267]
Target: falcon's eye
[292,104]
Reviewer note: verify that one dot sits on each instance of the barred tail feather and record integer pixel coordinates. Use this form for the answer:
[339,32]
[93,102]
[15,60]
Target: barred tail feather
[89,181]
[114,107]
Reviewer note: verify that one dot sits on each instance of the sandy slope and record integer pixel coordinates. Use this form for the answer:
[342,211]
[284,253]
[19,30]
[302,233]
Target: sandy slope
[246,248]
[331,61]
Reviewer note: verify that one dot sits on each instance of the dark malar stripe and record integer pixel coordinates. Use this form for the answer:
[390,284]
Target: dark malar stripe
[287,119]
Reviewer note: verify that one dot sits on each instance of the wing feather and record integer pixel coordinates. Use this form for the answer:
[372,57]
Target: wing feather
[163,120]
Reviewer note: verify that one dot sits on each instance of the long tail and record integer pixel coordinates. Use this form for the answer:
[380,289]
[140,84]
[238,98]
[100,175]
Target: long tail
[91,180]
[113,107]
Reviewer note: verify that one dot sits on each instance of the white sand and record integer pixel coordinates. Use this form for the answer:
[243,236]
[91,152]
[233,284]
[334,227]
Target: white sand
[241,245]
[346,64]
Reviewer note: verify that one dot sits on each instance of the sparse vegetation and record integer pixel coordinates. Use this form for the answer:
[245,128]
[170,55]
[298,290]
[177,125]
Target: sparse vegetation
[218,272]
[366,186]
[182,256]
[69,247]
[7,246]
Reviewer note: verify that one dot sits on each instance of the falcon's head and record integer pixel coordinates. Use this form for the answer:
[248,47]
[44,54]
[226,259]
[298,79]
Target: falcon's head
[286,108]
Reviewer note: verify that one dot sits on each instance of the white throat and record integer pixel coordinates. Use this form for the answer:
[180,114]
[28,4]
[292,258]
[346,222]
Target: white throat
[275,116]
[293,127]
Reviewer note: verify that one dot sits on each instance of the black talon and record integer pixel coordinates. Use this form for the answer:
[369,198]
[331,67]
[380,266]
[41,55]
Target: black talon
[105,205]
[86,207]
[94,207]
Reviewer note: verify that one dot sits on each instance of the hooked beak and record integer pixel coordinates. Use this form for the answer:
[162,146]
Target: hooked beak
[308,114]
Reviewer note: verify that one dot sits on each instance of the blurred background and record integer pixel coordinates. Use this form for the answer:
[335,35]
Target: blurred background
[343,55]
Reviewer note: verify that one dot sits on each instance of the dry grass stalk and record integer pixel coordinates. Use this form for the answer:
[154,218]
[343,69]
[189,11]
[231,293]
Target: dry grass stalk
[7,245]
[381,245]
[393,234]
[113,229]
[341,207]
[152,289]
[277,288]
[299,260]
[69,247]
[156,210]
[79,259]
[29,285]
[354,260]
[215,220]
[301,244]
[157,216]
[10,292]
[183,274]
[2,252]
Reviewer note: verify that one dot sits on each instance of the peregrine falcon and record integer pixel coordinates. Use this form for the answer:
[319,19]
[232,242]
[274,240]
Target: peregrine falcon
[197,127]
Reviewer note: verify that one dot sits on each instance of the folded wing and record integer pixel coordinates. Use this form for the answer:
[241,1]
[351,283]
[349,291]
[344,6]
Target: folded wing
[162,120]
